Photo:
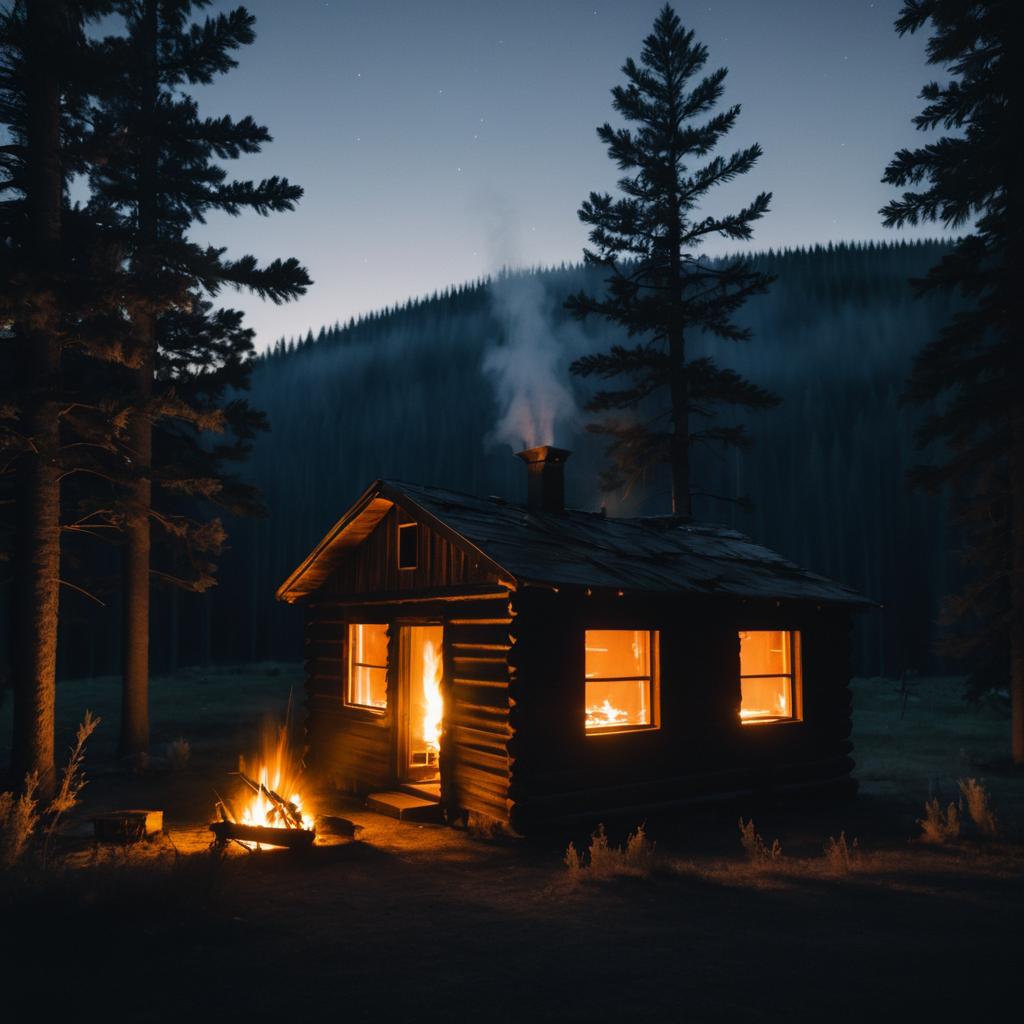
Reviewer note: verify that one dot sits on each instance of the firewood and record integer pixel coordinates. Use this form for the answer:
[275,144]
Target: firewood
[288,811]
[290,837]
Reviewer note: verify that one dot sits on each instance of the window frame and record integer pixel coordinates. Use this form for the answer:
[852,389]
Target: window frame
[414,527]
[795,677]
[653,680]
[350,662]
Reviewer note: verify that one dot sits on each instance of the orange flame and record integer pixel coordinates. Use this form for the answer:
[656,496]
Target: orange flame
[601,716]
[277,774]
[433,704]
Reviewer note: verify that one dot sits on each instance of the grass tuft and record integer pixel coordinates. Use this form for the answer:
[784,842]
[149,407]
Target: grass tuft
[179,753]
[842,857]
[18,821]
[938,826]
[979,808]
[603,861]
[756,850]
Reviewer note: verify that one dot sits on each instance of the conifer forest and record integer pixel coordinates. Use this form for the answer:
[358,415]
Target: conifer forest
[403,394]
[511,512]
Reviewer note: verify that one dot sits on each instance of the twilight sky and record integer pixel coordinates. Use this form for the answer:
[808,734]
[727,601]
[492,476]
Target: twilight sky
[438,140]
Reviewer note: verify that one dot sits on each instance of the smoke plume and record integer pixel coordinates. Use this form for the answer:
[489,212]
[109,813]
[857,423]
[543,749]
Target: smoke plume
[530,369]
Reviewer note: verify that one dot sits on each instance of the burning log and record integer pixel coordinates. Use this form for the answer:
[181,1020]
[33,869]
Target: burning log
[263,835]
[287,811]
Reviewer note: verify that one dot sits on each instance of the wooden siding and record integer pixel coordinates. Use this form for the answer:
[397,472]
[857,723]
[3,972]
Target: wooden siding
[701,748]
[474,751]
[513,745]
[356,749]
[350,746]
[372,567]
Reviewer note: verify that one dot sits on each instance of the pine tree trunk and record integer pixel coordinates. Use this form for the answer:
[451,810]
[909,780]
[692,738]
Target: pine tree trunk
[134,743]
[37,526]
[681,500]
[680,454]
[1017,587]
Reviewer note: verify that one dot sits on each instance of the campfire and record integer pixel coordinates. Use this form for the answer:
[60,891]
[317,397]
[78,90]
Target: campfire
[268,809]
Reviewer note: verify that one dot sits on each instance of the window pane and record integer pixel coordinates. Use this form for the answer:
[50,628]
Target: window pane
[766,698]
[616,704]
[368,687]
[613,653]
[764,652]
[369,643]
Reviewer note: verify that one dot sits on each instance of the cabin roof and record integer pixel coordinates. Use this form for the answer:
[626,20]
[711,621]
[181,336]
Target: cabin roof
[575,548]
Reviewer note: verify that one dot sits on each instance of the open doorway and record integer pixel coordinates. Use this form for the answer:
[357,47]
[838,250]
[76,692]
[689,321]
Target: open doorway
[419,722]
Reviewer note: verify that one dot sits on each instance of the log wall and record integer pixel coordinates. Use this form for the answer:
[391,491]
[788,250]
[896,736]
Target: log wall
[513,743]
[700,747]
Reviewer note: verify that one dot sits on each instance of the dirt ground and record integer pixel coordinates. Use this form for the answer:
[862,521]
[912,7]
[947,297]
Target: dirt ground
[423,922]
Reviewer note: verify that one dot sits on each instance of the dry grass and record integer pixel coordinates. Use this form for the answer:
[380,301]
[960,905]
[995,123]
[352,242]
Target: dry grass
[939,826]
[979,807]
[842,857]
[602,861]
[179,753]
[19,819]
[943,826]
[755,847]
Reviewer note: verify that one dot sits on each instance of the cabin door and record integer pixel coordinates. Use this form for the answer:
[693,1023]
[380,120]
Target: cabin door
[421,665]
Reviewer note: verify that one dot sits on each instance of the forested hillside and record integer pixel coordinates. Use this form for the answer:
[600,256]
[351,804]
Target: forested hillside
[405,394]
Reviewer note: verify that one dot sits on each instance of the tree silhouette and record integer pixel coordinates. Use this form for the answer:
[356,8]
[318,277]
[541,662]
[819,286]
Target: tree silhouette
[971,374]
[660,290]
[166,177]
[57,277]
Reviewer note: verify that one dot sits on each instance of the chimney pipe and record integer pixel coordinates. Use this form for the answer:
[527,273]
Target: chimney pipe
[545,481]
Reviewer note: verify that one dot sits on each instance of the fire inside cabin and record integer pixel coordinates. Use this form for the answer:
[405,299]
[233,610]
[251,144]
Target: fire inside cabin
[536,664]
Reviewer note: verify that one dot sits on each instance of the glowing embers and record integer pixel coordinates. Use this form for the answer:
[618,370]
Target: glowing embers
[769,676]
[424,664]
[621,679]
[367,683]
[268,808]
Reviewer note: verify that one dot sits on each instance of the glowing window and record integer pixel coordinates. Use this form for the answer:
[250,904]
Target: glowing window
[367,683]
[621,679]
[769,676]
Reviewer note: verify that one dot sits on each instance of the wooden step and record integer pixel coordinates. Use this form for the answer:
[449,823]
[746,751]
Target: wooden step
[426,790]
[404,806]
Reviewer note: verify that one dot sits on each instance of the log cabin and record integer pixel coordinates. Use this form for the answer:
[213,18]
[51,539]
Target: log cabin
[539,665]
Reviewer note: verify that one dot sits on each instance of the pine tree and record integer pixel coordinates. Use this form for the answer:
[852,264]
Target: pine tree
[167,178]
[50,299]
[659,289]
[971,376]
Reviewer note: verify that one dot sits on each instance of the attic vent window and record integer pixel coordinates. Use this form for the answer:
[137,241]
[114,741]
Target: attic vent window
[621,679]
[408,546]
[769,676]
[367,683]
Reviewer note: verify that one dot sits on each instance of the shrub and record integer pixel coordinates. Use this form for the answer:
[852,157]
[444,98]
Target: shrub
[179,752]
[841,856]
[72,780]
[603,861]
[938,826]
[754,846]
[978,807]
[20,818]
[18,821]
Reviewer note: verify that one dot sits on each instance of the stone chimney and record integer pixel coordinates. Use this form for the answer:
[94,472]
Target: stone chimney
[545,481]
